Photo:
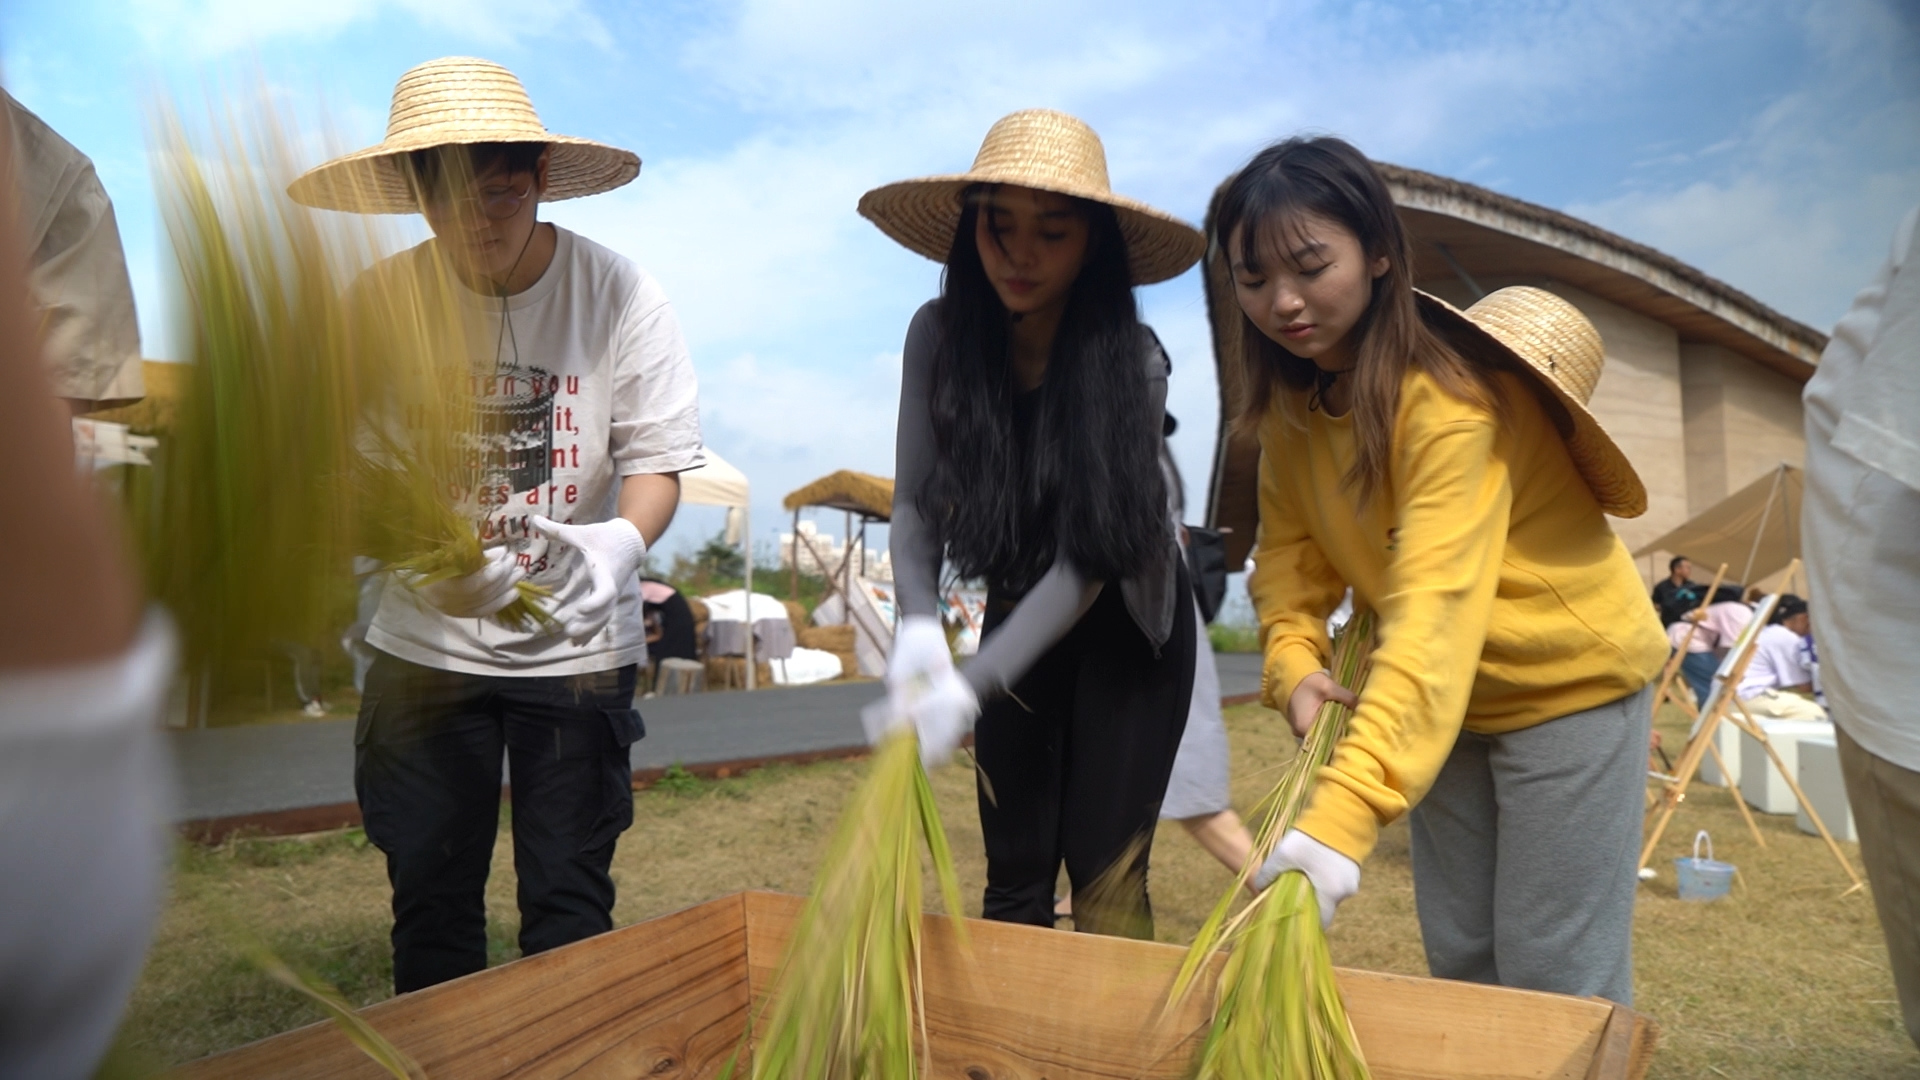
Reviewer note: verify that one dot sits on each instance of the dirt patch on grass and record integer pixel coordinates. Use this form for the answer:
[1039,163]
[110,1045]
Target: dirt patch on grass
[1781,979]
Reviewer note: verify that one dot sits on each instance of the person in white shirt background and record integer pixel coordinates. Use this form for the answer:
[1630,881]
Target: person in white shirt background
[1860,530]
[1778,684]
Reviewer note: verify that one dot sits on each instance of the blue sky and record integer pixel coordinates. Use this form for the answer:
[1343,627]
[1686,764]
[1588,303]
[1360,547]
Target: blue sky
[1772,143]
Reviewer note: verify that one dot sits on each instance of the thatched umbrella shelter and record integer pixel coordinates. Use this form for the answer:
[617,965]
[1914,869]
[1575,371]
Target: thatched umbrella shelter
[853,493]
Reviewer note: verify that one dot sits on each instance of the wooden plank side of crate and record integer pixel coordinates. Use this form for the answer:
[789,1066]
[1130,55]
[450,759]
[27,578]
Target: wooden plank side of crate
[1041,1003]
[1026,1002]
[662,998]
[1413,1028]
[1626,1047]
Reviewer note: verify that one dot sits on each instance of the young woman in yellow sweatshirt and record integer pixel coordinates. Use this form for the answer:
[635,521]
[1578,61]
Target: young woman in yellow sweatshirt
[1444,467]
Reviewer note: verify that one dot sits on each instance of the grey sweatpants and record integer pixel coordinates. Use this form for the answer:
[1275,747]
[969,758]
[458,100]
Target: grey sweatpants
[1525,851]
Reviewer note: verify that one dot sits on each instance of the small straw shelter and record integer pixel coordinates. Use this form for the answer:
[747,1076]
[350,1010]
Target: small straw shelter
[719,484]
[1755,531]
[856,494]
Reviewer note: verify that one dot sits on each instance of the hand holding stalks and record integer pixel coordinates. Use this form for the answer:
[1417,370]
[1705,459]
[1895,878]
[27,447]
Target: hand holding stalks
[1334,876]
[477,595]
[610,555]
[1314,692]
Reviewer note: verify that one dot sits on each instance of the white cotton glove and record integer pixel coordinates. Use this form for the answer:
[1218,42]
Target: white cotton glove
[920,650]
[476,595]
[611,552]
[1334,876]
[942,716]
[925,693]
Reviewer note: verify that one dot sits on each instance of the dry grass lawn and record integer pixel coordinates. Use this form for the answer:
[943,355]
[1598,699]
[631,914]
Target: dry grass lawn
[1781,979]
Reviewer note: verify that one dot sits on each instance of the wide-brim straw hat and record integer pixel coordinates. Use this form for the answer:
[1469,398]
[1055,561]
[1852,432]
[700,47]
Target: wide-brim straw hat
[1561,348]
[1050,151]
[458,101]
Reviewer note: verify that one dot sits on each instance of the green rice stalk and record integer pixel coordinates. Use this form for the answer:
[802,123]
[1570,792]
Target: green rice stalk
[1277,1007]
[847,1000]
[1114,902]
[394,1060]
[266,487]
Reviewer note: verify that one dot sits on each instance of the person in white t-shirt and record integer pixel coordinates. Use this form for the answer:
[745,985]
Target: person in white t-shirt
[587,413]
[1778,684]
[1861,533]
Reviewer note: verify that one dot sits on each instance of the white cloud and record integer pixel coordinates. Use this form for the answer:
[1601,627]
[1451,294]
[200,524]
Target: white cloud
[1797,206]
[758,244]
[788,296]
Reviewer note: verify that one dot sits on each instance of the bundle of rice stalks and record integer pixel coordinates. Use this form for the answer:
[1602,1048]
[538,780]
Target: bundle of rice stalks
[410,526]
[847,999]
[1277,1008]
[297,359]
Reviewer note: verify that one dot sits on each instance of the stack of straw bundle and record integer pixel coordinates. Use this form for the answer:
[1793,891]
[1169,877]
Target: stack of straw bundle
[837,640]
[1277,1009]
[847,999]
[325,414]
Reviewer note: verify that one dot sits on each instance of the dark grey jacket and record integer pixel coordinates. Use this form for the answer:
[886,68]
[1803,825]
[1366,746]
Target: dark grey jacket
[1063,594]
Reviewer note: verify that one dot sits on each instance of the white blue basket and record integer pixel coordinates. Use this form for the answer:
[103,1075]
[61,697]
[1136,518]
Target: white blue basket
[1703,879]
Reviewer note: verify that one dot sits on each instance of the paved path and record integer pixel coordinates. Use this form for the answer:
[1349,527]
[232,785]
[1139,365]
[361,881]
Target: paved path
[287,774]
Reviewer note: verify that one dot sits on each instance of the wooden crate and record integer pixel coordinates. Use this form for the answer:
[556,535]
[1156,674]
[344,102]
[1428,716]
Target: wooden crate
[669,998]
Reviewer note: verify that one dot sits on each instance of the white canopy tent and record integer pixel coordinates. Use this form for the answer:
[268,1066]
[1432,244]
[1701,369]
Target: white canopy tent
[719,484]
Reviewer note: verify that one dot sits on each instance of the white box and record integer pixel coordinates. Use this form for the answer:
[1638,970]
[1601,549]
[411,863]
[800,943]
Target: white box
[1824,787]
[1726,738]
[1760,782]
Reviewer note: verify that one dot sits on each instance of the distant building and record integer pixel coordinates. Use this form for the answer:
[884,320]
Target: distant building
[820,554]
[1702,383]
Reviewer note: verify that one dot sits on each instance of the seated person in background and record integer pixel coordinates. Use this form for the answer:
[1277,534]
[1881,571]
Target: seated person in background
[1698,666]
[1724,619]
[1677,593]
[1778,684]
[669,622]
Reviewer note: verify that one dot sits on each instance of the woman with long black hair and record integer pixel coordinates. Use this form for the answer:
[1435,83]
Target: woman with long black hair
[1030,417]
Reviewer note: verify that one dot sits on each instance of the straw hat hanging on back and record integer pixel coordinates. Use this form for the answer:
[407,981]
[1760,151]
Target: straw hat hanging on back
[458,101]
[1558,345]
[1049,151]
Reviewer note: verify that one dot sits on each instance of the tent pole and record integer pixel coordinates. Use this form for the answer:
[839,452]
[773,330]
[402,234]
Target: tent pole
[1746,577]
[746,540]
[793,558]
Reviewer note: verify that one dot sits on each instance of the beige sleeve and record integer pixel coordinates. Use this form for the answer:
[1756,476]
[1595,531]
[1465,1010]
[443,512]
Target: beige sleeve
[81,291]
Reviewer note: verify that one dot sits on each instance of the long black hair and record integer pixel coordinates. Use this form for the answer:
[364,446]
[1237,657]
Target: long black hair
[1085,480]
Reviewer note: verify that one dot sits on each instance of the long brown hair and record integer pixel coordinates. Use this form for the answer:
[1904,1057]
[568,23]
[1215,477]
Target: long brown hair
[1328,178]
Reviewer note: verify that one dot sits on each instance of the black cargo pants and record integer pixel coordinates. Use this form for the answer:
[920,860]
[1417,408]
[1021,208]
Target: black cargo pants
[427,755]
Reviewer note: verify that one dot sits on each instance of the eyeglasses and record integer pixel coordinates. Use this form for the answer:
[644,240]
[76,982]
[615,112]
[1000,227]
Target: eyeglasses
[495,201]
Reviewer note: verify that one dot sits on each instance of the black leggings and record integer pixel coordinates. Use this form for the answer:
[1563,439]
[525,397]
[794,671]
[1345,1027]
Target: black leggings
[1078,758]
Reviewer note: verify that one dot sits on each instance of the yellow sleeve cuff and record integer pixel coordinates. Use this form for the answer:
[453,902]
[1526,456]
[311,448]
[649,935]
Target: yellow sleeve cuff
[1287,663]
[1338,818]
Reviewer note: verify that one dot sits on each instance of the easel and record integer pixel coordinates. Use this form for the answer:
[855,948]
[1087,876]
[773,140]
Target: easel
[1666,694]
[1724,703]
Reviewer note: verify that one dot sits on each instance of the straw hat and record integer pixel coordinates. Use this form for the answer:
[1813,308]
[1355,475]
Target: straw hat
[458,101]
[1563,350]
[1036,148]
